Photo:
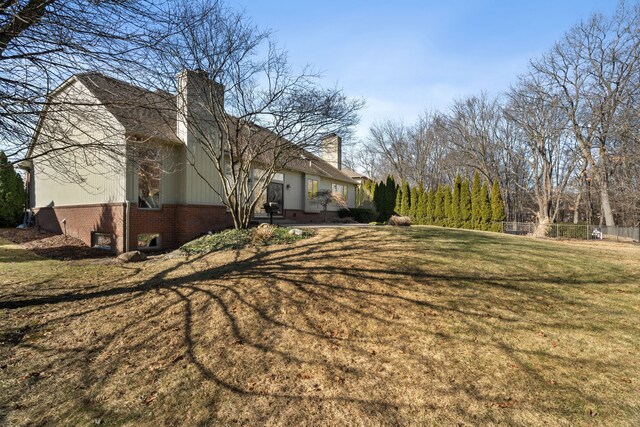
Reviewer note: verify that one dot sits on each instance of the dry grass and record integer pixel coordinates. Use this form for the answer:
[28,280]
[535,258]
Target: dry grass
[375,326]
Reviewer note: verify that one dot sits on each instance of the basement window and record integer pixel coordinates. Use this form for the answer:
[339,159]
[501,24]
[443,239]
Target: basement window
[148,241]
[101,240]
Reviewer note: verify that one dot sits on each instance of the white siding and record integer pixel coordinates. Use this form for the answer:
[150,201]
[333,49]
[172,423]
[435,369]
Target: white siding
[199,176]
[79,175]
[326,184]
[194,127]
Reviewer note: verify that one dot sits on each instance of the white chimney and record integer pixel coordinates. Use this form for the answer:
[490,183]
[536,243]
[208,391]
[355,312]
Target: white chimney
[200,108]
[199,102]
[331,150]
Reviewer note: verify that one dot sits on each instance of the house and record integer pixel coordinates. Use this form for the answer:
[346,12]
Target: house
[103,198]
[357,177]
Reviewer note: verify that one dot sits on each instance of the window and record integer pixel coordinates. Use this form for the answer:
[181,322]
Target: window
[101,240]
[312,188]
[149,241]
[149,178]
[259,173]
[340,189]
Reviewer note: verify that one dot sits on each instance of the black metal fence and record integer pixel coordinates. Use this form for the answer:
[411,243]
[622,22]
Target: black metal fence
[576,231]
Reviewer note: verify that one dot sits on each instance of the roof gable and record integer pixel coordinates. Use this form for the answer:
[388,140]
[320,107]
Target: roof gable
[150,114]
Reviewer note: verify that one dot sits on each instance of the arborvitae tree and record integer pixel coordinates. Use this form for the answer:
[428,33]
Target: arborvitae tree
[485,207]
[405,202]
[12,194]
[413,208]
[456,218]
[392,190]
[440,212]
[447,206]
[476,202]
[422,207]
[465,205]
[431,207]
[379,194]
[372,190]
[497,207]
[398,205]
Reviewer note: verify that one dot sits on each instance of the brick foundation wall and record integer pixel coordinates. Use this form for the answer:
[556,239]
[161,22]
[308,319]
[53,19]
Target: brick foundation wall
[176,224]
[82,220]
[303,217]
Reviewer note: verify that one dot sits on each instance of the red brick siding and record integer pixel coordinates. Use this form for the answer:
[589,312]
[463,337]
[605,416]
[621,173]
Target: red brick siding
[82,220]
[308,217]
[176,224]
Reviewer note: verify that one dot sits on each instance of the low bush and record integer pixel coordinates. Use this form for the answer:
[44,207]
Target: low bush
[399,220]
[344,213]
[237,239]
[263,232]
[361,214]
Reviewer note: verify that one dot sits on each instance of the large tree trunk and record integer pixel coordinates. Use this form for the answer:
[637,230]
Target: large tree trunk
[605,204]
[576,209]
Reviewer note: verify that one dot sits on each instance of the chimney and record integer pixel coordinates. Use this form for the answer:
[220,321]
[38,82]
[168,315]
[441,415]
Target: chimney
[199,102]
[331,150]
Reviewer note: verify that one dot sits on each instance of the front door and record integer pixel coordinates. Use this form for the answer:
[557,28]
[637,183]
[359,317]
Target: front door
[274,193]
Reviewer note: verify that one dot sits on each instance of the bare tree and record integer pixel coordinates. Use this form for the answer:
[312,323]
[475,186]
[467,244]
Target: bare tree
[550,155]
[415,153]
[43,42]
[327,197]
[389,140]
[258,116]
[477,130]
[593,69]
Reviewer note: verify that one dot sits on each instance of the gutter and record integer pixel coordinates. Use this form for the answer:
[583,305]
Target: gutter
[126,226]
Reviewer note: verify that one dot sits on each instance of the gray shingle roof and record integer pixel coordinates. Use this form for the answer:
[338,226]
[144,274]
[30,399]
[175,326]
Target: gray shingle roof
[140,111]
[153,115]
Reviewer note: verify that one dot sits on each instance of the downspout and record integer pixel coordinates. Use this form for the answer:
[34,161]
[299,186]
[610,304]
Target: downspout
[126,226]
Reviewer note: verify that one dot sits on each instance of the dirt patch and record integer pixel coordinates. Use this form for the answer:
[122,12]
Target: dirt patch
[53,246]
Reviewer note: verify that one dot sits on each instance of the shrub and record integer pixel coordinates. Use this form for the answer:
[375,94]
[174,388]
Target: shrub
[227,239]
[263,235]
[363,215]
[345,213]
[400,220]
[263,232]
[12,194]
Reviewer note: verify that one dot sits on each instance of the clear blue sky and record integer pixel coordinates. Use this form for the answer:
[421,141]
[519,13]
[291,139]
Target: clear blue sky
[408,56]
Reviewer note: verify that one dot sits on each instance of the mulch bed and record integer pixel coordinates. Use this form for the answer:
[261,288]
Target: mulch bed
[53,246]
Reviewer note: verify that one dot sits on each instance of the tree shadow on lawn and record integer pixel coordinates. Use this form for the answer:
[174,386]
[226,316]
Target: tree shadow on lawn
[349,327]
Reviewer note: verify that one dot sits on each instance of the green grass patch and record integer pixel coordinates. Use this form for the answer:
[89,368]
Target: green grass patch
[238,239]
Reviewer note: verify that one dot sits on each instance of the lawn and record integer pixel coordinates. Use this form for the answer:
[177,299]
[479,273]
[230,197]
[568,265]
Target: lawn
[373,326]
